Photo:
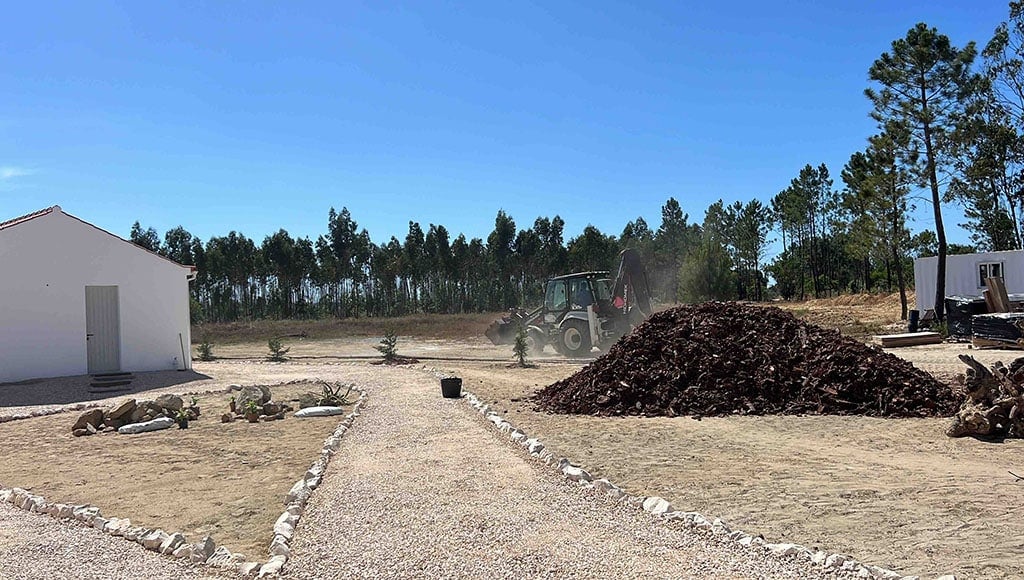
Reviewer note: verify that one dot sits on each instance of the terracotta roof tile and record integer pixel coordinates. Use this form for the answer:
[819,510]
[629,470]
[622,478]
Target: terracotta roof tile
[26,217]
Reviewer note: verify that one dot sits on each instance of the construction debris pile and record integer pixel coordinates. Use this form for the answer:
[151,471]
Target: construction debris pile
[728,358]
[994,406]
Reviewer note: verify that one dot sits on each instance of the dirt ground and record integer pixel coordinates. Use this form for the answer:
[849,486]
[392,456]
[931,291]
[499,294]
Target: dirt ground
[892,492]
[227,480]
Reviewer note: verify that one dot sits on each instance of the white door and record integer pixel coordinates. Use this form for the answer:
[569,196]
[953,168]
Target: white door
[102,329]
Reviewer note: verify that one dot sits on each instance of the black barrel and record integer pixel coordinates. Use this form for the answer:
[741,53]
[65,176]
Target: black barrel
[451,387]
[915,317]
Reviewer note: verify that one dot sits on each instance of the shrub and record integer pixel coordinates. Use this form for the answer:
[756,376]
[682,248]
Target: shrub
[205,349]
[388,345]
[520,347]
[277,350]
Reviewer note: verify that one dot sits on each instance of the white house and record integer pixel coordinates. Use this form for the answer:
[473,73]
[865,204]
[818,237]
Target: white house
[966,273]
[75,299]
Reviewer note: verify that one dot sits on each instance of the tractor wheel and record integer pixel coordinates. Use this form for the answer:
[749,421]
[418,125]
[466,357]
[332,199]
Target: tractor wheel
[535,341]
[575,338]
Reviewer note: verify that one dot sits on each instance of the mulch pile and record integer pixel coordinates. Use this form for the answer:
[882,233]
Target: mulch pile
[723,358]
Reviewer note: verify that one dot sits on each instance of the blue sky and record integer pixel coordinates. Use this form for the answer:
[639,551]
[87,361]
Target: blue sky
[256,116]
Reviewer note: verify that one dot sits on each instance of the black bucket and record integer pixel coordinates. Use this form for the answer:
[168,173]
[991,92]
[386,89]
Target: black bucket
[451,388]
[915,317]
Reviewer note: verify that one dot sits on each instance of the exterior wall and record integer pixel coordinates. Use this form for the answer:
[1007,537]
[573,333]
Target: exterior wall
[962,275]
[45,265]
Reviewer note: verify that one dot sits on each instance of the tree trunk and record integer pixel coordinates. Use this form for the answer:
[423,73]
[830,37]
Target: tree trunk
[940,230]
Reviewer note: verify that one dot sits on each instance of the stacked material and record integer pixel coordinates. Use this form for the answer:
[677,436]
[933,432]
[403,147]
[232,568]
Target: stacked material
[998,329]
[728,358]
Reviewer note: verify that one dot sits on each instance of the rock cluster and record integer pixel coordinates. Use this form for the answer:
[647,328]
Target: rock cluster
[255,401]
[661,508]
[721,358]
[129,412]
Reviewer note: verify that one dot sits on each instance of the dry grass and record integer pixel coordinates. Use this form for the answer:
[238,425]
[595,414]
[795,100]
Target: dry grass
[226,480]
[857,315]
[439,326]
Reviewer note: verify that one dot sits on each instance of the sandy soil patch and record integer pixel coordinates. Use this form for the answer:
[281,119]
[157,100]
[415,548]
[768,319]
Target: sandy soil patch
[225,480]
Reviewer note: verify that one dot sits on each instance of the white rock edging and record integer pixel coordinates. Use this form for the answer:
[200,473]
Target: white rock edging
[205,551]
[662,509]
[295,501]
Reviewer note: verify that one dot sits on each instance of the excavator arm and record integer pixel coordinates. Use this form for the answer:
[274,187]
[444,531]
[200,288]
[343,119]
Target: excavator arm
[631,286]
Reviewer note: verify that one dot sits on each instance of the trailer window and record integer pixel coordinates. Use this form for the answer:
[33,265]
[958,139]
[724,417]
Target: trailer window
[989,270]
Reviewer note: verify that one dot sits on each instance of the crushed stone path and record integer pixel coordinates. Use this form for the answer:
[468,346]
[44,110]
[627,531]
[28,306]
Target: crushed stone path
[37,547]
[424,487]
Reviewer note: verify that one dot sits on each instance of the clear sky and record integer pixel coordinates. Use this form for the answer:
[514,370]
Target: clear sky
[253,116]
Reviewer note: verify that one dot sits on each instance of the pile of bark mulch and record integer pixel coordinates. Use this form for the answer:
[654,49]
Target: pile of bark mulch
[723,358]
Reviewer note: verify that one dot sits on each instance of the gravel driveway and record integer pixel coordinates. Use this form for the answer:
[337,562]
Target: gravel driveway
[424,487]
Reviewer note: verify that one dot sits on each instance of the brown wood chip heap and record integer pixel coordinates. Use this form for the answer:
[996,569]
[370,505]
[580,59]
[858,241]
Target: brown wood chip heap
[724,358]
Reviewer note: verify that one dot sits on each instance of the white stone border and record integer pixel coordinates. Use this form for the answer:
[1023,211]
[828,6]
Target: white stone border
[205,551]
[664,511]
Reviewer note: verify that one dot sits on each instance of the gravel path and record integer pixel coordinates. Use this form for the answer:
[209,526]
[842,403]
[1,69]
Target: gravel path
[423,486]
[38,547]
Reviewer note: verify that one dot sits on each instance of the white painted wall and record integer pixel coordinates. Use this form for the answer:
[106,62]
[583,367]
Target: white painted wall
[962,275]
[45,265]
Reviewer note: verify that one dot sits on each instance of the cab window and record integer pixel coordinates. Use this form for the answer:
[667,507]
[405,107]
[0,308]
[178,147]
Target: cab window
[556,297]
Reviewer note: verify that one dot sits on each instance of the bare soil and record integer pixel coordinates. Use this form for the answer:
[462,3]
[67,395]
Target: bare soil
[893,492]
[227,480]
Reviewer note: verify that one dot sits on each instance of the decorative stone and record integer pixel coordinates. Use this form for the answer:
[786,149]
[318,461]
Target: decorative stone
[279,546]
[271,408]
[221,557]
[819,557]
[574,473]
[153,425]
[319,412]
[249,569]
[272,567]
[534,446]
[657,506]
[720,527]
[183,551]
[258,394]
[153,540]
[227,418]
[835,560]
[172,543]
[285,525]
[123,409]
[783,549]
[298,493]
[93,417]
[99,523]
[170,403]
[203,550]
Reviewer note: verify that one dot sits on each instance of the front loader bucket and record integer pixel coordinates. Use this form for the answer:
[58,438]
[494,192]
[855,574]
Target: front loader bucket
[501,332]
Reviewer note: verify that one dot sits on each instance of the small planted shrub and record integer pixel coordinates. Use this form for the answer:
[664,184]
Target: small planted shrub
[205,350]
[277,350]
[387,346]
[252,411]
[520,346]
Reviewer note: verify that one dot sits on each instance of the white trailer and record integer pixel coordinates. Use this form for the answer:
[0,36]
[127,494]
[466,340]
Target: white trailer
[966,273]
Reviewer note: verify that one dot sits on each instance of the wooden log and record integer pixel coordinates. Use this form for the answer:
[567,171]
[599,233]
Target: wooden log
[909,339]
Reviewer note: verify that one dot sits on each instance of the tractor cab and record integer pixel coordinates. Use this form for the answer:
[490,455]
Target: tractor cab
[575,292]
